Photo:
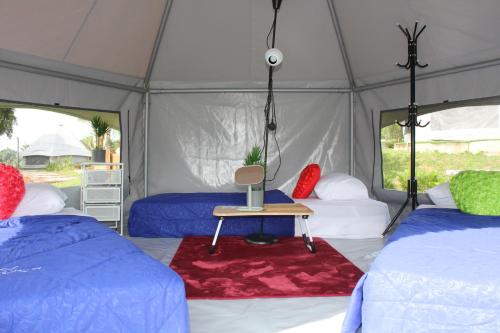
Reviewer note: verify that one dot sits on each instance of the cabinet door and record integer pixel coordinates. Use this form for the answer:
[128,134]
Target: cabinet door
[103,212]
[102,195]
[102,177]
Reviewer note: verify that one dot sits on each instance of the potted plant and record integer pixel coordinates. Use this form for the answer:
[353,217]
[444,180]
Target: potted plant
[100,128]
[254,157]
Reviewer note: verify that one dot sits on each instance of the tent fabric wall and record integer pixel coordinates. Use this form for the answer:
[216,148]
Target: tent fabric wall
[197,141]
[456,88]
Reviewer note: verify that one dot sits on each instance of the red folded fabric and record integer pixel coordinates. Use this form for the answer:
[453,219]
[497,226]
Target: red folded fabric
[11,190]
[307,181]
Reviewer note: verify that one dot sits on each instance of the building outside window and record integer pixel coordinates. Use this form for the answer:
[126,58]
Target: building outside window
[48,146]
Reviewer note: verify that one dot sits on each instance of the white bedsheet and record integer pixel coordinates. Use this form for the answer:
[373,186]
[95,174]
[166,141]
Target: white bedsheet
[364,218]
[427,206]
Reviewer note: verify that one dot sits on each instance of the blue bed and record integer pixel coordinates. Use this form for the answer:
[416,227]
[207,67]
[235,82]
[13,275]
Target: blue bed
[439,272]
[190,214]
[73,274]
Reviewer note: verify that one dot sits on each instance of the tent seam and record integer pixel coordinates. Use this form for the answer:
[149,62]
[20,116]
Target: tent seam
[79,31]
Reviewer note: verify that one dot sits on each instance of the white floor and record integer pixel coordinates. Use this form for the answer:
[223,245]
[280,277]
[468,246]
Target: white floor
[287,315]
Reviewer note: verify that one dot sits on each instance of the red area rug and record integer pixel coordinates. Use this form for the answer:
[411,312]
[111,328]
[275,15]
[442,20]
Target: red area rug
[285,269]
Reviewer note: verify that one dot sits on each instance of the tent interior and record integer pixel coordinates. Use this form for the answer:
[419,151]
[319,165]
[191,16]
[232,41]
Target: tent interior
[190,84]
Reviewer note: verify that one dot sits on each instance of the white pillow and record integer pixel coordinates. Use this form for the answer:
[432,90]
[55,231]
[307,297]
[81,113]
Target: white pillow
[441,196]
[41,199]
[339,186]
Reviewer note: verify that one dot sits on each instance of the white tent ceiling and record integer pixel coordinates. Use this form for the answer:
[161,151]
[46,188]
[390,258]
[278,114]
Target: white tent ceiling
[459,32]
[221,42]
[224,41]
[112,35]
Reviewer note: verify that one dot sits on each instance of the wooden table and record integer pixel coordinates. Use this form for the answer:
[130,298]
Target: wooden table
[290,209]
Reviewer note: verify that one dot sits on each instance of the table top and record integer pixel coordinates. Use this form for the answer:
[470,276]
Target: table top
[290,209]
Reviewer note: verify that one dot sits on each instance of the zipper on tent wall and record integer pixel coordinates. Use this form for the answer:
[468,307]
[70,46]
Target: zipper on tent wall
[146,139]
[352,171]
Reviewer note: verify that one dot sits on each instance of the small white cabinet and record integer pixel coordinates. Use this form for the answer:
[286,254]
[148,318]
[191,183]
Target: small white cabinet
[102,193]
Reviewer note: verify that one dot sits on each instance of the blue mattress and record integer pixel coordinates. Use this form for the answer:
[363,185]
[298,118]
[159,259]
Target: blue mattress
[73,274]
[439,272]
[190,214]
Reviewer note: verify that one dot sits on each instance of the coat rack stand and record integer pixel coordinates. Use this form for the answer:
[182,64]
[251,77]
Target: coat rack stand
[412,63]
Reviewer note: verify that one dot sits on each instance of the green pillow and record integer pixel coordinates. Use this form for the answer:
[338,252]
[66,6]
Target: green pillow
[477,192]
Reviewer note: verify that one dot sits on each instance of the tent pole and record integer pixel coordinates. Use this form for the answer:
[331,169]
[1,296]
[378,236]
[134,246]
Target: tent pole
[248,90]
[340,39]
[156,45]
[350,77]
[67,76]
[146,135]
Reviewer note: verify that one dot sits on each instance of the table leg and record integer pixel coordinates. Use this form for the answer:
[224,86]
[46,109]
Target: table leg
[214,241]
[302,230]
[308,239]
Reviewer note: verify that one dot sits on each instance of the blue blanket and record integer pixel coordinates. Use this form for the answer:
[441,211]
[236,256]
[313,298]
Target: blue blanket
[190,214]
[73,274]
[439,272]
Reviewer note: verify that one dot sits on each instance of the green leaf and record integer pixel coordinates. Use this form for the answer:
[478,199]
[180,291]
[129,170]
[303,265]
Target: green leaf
[254,157]
[7,122]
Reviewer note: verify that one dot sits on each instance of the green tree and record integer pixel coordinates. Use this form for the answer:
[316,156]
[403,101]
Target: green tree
[8,156]
[7,122]
[392,133]
[88,142]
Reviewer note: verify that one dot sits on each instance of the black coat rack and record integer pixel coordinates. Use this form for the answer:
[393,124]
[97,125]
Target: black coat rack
[412,63]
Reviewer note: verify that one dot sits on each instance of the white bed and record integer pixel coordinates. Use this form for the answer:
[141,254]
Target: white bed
[361,218]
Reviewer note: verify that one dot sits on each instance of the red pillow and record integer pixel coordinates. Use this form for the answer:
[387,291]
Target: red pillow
[307,181]
[11,190]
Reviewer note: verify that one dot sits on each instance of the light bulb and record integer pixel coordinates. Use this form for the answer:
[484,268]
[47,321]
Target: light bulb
[274,57]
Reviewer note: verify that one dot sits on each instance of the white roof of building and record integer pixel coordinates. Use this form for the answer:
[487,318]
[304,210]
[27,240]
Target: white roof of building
[54,145]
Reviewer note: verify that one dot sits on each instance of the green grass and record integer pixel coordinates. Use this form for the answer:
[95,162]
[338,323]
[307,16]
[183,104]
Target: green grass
[76,181]
[68,183]
[431,167]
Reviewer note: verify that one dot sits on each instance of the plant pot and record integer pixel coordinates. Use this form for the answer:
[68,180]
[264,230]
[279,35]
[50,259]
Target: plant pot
[257,197]
[99,155]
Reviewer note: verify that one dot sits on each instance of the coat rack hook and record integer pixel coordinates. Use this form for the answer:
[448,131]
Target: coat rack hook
[421,30]
[419,124]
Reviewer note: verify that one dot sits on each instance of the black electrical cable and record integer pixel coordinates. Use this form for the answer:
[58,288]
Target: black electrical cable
[270,107]
[269,34]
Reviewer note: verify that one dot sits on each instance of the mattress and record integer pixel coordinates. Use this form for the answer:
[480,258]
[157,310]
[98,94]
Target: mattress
[439,272]
[191,214]
[73,274]
[364,218]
